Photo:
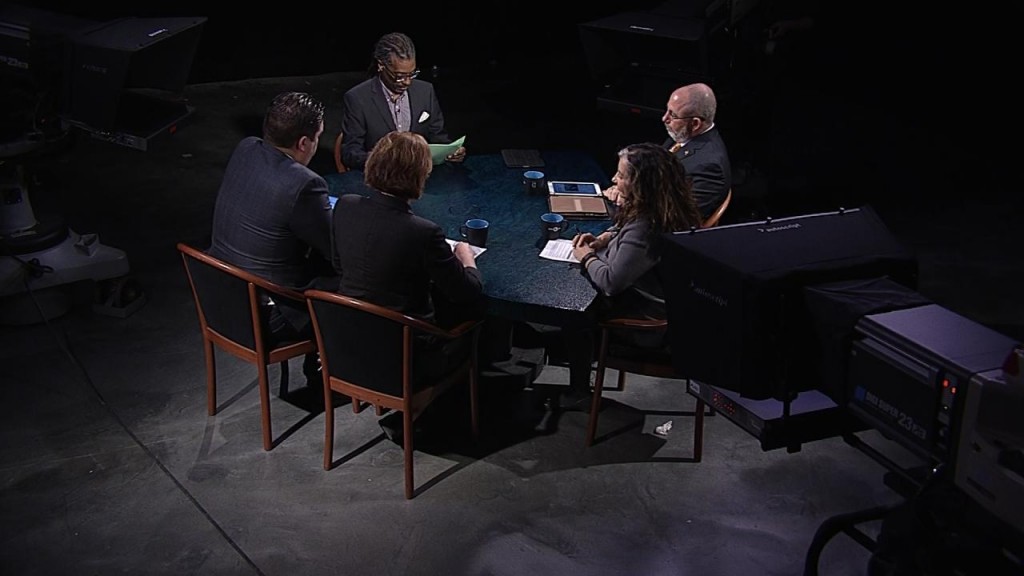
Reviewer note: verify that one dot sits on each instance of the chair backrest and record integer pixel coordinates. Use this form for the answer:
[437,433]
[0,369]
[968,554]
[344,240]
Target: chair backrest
[360,343]
[635,358]
[365,344]
[337,154]
[229,298]
[223,296]
[715,216]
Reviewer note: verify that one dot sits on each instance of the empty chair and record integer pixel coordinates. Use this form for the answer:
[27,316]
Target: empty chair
[368,353]
[231,317]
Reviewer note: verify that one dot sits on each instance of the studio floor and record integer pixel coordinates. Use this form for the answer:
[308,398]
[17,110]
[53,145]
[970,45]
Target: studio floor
[111,465]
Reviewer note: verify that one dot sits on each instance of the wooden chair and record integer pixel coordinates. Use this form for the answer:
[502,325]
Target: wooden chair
[231,317]
[716,216]
[648,362]
[337,154]
[655,363]
[367,353]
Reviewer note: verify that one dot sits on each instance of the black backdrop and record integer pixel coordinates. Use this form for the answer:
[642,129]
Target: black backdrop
[244,42]
[923,90]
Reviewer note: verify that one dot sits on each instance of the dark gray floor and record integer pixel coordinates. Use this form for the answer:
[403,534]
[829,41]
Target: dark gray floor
[111,465]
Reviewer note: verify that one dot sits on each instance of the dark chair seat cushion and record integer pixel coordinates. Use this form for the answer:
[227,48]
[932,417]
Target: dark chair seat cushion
[644,354]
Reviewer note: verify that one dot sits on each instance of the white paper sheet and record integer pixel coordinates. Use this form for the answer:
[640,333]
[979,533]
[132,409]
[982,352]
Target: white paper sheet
[560,249]
[476,249]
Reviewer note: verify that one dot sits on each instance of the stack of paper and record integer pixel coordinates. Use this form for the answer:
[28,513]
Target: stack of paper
[440,152]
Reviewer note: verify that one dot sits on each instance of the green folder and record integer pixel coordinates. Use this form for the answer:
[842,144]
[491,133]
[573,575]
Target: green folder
[438,152]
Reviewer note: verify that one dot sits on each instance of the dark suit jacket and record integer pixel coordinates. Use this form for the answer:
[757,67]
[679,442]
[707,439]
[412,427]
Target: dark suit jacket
[269,212]
[368,118]
[707,163]
[391,257]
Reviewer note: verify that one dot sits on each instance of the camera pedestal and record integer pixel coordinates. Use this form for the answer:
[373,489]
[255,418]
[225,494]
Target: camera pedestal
[45,257]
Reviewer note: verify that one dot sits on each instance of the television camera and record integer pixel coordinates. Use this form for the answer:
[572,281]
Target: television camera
[119,81]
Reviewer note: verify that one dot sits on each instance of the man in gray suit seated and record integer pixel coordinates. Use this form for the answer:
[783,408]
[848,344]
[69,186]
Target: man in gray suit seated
[272,217]
[391,99]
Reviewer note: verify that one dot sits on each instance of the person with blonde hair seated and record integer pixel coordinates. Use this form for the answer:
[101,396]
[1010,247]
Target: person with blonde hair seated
[391,257]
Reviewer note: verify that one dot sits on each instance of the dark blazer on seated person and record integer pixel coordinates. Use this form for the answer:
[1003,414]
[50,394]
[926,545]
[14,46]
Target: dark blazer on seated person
[368,117]
[272,217]
[389,256]
[706,160]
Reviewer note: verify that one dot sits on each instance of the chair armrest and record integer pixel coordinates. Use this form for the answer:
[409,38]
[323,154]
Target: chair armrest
[237,272]
[634,323]
[460,329]
[410,321]
[278,290]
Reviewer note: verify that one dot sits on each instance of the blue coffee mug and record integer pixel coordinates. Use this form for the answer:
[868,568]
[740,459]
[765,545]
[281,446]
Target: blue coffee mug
[534,182]
[475,231]
[552,224]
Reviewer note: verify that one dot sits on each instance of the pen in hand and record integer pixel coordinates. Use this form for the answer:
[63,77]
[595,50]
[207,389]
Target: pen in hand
[584,239]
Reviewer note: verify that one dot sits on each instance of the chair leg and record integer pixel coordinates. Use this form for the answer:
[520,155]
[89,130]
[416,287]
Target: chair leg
[622,380]
[329,426]
[407,445]
[595,402]
[211,378]
[698,430]
[265,406]
[474,403]
[282,387]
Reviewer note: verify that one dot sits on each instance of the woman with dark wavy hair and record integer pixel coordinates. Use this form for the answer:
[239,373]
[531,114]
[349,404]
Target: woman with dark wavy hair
[655,197]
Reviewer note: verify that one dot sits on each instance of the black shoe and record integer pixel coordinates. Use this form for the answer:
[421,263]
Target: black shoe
[312,370]
[545,425]
[393,428]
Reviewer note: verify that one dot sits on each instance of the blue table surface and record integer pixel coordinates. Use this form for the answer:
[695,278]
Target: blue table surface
[518,283]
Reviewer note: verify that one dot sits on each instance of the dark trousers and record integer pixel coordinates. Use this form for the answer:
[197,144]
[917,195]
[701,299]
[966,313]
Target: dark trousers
[289,321]
[581,343]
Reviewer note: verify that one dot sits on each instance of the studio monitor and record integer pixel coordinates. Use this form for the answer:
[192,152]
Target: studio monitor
[738,317]
[126,76]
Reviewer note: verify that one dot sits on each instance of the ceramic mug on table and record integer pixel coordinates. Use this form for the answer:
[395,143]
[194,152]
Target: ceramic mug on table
[534,183]
[474,231]
[552,224]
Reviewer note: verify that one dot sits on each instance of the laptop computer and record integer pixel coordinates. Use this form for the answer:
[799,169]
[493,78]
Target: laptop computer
[522,158]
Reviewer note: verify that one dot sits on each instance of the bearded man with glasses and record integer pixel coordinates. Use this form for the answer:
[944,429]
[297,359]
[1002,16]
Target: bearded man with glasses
[689,120]
[391,100]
